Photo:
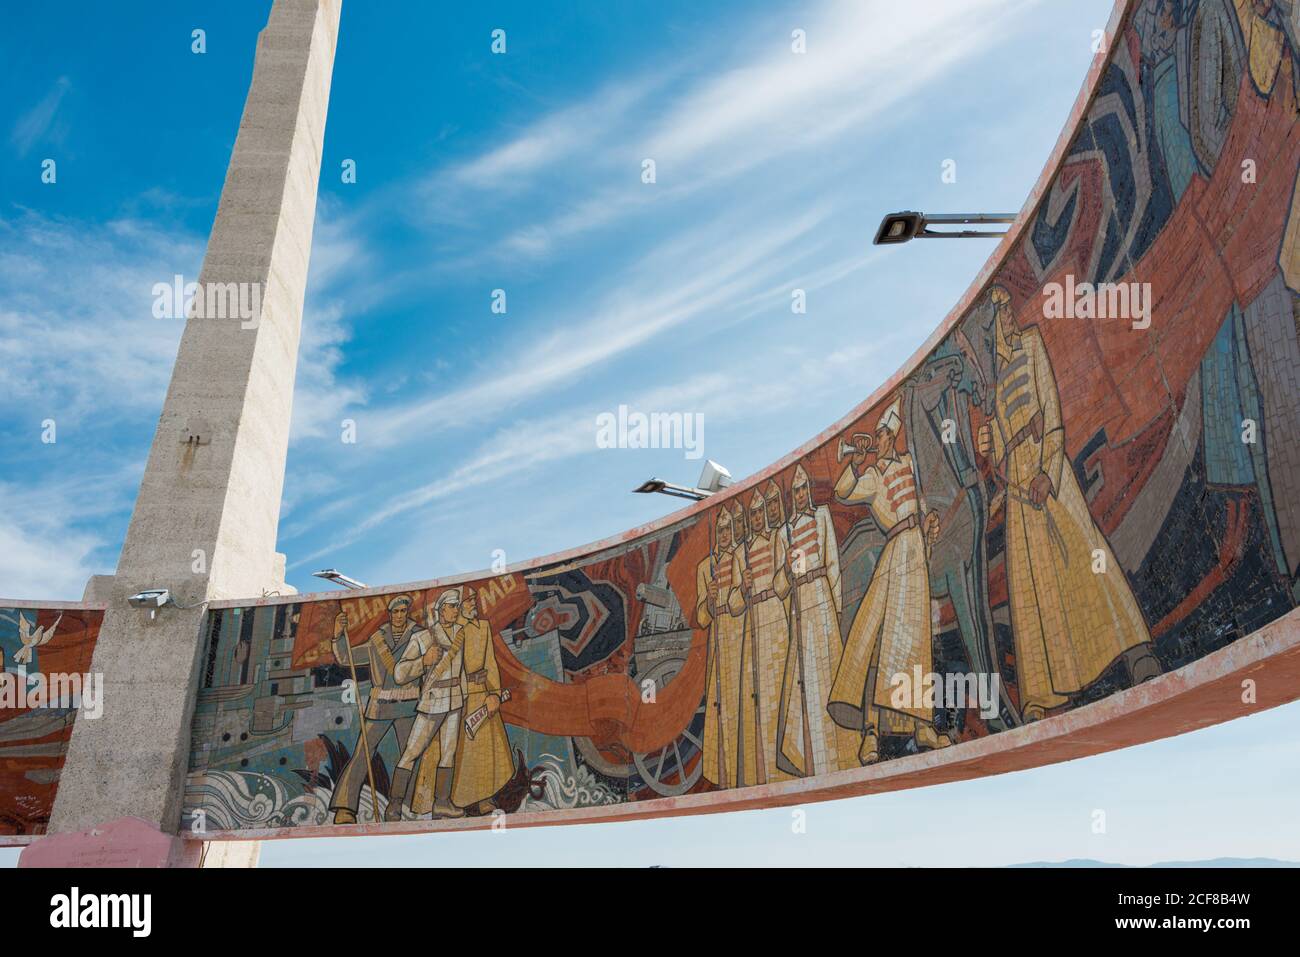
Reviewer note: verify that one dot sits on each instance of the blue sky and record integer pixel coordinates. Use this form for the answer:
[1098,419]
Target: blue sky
[475,172]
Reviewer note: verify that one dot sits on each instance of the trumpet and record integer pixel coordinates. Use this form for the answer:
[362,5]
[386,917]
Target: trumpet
[862,442]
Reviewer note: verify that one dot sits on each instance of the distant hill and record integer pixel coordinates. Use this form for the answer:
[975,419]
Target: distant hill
[1215,862]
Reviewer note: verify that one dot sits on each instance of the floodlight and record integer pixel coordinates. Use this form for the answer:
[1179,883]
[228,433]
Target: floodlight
[903,227]
[714,477]
[338,578]
[668,488]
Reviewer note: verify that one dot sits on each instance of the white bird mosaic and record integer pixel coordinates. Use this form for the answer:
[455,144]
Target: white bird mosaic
[32,639]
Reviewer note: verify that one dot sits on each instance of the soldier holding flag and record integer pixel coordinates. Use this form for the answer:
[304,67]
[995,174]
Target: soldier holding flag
[389,709]
[435,659]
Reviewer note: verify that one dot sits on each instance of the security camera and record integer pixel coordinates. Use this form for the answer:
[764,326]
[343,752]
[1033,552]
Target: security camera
[153,599]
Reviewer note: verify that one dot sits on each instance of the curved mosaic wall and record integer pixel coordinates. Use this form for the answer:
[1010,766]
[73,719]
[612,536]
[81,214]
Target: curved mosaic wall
[1090,480]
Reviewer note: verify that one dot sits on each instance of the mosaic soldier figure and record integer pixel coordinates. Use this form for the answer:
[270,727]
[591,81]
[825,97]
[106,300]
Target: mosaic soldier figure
[766,588]
[891,632]
[485,763]
[1072,612]
[808,742]
[750,767]
[390,708]
[720,607]
[436,660]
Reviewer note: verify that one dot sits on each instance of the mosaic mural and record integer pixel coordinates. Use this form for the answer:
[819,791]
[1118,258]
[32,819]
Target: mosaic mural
[1059,502]
[44,656]
[1091,480]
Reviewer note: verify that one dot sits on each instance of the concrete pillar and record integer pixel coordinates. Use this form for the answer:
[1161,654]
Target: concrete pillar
[204,523]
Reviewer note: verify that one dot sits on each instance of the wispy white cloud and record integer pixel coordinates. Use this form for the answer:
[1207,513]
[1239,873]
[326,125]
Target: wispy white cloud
[662,292]
[77,332]
[559,136]
[708,121]
[321,400]
[56,531]
[863,60]
[78,335]
[320,396]
[526,446]
[44,563]
[36,122]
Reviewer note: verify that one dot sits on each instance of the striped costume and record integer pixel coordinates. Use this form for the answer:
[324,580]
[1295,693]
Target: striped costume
[891,632]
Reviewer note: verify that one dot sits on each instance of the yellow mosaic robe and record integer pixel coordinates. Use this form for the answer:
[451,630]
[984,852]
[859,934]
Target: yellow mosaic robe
[892,626]
[1265,46]
[724,764]
[1069,623]
[767,641]
[484,763]
[808,741]
[1266,49]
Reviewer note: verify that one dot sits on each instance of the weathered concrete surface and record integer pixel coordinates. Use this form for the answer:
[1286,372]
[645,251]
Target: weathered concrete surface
[204,523]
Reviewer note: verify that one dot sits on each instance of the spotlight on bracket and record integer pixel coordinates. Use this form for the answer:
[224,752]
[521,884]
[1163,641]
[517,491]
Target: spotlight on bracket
[154,599]
[338,578]
[713,478]
[908,225]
